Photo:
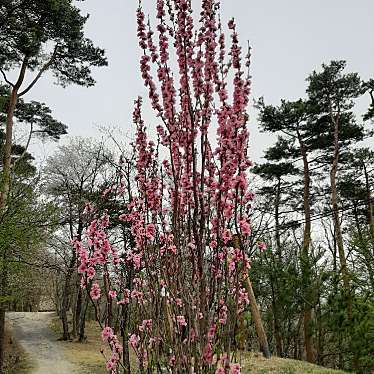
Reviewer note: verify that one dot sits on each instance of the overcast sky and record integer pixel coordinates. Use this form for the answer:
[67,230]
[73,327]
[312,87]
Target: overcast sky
[290,38]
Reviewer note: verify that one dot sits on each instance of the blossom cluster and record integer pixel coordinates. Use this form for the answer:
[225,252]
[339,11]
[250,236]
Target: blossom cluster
[189,209]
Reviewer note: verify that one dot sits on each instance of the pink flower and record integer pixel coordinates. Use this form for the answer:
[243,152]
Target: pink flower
[235,369]
[213,244]
[95,291]
[261,246]
[146,325]
[208,354]
[245,227]
[110,364]
[231,24]
[181,321]
[107,334]
[172,361]
[150,231]
[134,340]
[112,294]
[90,272]
[226,236]
[137,260]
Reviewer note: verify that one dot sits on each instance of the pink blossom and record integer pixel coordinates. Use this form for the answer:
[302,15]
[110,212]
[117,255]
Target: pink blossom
[172,361]
[146,325]
[226,236]
[134,340]
[181,321]
[90,272]
[95,291]
[208,354]
[245,227]
[107,334]
[112,294]
[235,369]
[137,260]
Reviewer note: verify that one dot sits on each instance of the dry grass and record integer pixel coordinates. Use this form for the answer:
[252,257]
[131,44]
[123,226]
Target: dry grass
[88,357]
[256,364]
[16,360]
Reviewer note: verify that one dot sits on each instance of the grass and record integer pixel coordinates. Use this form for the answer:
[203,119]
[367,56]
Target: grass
[16,360]
[256,364]
[88,357]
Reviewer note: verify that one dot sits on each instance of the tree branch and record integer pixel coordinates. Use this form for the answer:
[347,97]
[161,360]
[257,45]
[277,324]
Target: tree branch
[6,79]
[26,147]
[42,70]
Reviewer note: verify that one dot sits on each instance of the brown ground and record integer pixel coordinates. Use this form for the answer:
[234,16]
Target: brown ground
[37,333]
[16,359]
[32,332]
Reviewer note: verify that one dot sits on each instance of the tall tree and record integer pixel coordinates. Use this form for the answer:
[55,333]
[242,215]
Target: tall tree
[24,228]
[275,173]
[331,95]
[36,37]
[297,141]
[74,176]
[191,196]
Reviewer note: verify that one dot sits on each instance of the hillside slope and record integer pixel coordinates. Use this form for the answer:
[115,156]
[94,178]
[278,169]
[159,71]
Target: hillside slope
[256,364]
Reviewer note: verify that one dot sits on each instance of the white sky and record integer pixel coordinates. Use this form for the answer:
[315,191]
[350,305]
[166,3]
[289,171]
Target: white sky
[290,38]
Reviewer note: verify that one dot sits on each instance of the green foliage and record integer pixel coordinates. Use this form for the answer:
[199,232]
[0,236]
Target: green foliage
[355,338]
[24,228]
[37,116]
[48,34]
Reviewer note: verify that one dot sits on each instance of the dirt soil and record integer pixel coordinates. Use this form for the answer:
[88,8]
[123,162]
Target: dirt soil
[33,333]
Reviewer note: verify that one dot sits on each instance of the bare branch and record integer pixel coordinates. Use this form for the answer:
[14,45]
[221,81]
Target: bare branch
[42,70]
[6,79]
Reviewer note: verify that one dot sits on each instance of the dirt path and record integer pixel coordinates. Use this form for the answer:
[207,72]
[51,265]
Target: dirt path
[33,333]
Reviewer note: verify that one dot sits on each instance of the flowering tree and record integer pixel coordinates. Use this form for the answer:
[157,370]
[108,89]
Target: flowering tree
[185,265]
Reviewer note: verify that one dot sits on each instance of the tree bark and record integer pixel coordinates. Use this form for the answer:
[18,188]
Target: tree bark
[336,217]
[5,188]
[82,321]
[364,247]
[305,260]
[2,337]
[77,309]
[261,334]
[276,217]
[277,330]
[277,334]
[369,205]
[65,298]
[7,157]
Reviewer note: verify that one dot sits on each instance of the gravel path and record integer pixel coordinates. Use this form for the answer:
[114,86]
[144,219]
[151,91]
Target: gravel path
[32,331]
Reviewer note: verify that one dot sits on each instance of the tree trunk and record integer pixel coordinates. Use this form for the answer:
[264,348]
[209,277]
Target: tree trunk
[336,218]
[7,157]
[305,260]
[2,337]
[277,333]
[65,298]
[276,217]
[261,334]
[369,205]
[82,321]
[77,310]
[124,325]
[5,188]
[364,247]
